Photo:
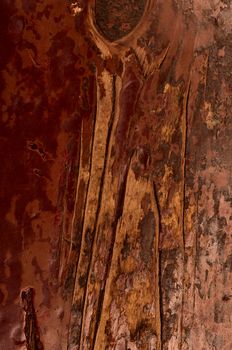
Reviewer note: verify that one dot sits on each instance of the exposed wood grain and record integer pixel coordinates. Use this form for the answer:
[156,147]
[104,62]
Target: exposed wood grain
[116,175]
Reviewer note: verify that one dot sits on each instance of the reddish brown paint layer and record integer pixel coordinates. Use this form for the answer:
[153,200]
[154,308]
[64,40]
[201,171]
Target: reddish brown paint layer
[47,90]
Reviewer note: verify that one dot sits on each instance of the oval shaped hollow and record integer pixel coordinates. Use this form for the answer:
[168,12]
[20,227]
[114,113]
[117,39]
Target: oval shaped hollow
[117,18]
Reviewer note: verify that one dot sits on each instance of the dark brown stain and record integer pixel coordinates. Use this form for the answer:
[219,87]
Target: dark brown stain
[147,229]
[31,331]
[116,19]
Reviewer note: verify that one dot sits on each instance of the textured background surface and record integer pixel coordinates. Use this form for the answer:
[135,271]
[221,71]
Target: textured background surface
[115,175]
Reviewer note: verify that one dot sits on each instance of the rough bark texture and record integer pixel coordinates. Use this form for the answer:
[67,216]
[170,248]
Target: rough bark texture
[116,220]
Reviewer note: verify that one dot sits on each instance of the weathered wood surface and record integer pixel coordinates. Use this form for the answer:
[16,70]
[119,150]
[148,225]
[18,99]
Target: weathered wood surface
[116,175]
